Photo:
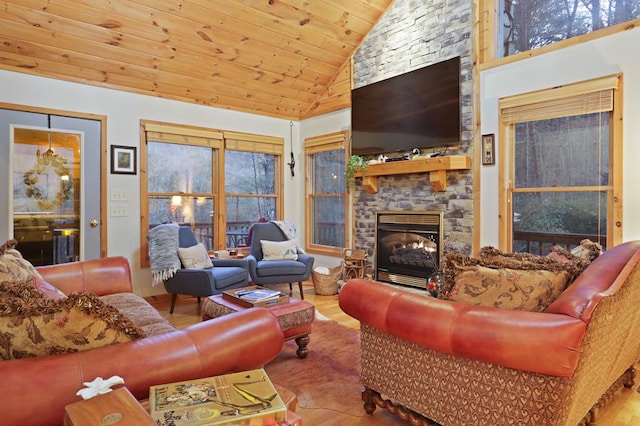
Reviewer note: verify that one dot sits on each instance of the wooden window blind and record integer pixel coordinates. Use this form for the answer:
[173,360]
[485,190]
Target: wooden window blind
[586,98]
[253,143]
[329,142]
[184,135]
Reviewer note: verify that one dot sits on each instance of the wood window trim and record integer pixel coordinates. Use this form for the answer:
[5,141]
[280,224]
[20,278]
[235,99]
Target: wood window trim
[553,96]
[248,142]
[487,20]
[313,145]
[218,140]
[175,134]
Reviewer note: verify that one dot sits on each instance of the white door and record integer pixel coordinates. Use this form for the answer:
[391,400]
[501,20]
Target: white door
[53,183]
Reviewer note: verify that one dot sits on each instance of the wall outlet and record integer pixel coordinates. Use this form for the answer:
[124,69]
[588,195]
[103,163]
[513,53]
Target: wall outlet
[119,211]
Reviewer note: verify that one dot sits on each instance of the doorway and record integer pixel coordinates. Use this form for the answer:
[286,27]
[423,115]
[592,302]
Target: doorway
[52,184]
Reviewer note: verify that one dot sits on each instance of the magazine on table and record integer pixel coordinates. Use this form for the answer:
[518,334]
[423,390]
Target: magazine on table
[245,398]
[258,294]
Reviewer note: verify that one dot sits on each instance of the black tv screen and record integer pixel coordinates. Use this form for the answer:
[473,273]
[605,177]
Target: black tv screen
[419,109]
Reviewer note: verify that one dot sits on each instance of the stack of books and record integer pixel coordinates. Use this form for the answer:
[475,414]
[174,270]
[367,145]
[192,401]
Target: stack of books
[255,297]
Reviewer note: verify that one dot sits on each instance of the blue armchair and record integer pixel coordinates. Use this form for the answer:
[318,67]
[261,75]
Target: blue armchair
[226,274]
[266,272]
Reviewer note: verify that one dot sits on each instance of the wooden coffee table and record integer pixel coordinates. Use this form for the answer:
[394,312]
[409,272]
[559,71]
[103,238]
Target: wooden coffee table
[295,317]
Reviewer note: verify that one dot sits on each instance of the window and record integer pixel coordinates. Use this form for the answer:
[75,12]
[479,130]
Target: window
[563,174]
[186,169]
[252,183]
[180,165]
[326,195]
[526,25]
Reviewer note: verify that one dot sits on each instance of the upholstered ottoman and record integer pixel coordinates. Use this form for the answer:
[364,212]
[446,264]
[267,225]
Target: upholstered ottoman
[295,317]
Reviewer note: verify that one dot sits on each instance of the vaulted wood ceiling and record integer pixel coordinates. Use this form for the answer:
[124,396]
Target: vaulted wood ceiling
[282,58]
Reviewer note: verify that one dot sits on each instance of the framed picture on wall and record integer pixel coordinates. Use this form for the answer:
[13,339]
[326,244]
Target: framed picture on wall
[488,150]
[123,160]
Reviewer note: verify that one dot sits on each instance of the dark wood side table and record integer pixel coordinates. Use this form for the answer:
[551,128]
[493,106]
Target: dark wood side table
[117,408]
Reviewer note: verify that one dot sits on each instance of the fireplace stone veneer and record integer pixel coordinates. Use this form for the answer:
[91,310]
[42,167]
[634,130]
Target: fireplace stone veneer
[408,246]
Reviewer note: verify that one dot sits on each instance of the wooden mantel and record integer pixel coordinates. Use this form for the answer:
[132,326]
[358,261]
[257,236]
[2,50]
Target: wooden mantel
[436,167]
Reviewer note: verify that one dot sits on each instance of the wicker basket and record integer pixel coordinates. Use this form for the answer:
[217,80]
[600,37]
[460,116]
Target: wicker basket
[326,284]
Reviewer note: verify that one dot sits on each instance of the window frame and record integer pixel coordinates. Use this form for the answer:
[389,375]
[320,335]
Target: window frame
[246,142]
[529,103]
[314,145]
[487,29]
[218,141]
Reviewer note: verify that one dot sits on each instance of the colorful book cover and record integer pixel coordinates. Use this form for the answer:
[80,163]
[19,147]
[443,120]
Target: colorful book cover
[247,398]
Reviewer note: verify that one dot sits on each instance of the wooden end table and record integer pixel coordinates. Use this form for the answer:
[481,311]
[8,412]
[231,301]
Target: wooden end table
[117,407]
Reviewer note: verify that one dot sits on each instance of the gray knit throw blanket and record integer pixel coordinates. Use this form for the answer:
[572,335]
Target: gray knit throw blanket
[163,251]
[289,230]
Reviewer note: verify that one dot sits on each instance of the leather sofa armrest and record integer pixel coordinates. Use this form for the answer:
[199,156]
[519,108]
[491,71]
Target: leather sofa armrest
[43,386]
[530,341]
[103,276]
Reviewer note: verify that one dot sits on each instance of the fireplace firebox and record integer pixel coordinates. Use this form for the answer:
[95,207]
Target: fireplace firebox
[408,246]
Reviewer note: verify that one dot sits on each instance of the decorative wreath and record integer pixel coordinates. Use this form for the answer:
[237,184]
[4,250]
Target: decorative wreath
[32,177]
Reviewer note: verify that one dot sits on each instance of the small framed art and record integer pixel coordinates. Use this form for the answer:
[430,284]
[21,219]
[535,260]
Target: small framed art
[488,149]
[123,160]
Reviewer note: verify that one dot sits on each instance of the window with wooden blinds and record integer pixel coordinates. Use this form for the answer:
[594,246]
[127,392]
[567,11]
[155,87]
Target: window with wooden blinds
[560,166]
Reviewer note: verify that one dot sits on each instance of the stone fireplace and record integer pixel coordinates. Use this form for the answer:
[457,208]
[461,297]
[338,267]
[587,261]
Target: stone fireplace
[411,35]
[408,246]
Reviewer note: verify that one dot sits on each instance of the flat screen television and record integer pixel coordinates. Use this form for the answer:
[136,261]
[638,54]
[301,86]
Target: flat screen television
[418,109]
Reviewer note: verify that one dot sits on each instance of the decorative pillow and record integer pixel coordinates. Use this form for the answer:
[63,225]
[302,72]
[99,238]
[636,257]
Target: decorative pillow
[32,326]
[195,257]
[563,255]
[13,267]
[557,259]
[16,269]
[587,250]
[279,250]
[47,289]
[526,282]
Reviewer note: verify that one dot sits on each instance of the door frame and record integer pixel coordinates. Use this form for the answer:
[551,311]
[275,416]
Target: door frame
[103,156]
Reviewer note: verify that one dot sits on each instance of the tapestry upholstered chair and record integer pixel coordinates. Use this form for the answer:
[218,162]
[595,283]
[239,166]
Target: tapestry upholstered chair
[225,274]
[275,258]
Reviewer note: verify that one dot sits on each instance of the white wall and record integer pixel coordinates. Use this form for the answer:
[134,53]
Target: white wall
[605,56]
[124,112]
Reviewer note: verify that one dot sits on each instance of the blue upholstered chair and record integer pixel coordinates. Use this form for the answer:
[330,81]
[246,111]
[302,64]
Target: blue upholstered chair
[266,272]
[226,274]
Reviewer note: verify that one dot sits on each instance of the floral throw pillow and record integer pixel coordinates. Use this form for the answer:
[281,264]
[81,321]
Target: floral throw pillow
[279,250]
[515,283]
[34,326]
[14,269]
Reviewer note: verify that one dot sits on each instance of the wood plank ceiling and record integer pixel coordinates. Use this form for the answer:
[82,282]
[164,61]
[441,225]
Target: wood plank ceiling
[281,58]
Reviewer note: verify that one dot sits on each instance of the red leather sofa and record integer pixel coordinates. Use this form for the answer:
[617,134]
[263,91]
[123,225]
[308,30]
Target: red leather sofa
[36,390]
[460,364]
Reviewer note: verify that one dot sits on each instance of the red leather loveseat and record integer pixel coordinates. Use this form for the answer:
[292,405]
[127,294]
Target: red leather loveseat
[36,390]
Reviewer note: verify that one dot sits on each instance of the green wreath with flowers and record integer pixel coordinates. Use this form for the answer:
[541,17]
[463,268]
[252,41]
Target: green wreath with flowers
[32,178]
